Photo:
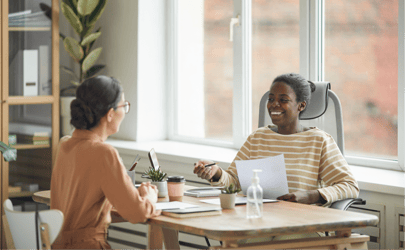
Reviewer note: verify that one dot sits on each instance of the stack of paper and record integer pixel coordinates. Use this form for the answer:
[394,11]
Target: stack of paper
[203,192]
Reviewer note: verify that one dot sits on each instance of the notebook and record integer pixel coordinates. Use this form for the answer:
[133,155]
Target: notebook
[192,212]
[203,192]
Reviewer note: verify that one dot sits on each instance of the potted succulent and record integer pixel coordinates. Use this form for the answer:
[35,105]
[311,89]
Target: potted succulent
[157,177]
[82,16]
[228,195]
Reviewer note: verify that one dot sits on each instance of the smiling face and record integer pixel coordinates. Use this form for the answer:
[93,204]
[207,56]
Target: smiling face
[284,109]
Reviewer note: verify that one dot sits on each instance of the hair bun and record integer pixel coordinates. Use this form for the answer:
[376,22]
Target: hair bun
[312,86]
[81,113]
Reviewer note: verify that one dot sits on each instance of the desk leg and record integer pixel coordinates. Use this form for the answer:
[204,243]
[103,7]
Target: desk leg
[171,238]
[157,235]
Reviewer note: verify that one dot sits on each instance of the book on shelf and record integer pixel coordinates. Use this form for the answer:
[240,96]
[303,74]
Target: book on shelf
[30,129]
[40,142]
[24,137]
[12,189]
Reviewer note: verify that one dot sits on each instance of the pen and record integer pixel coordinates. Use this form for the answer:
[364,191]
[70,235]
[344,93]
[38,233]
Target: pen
[134,163]
[212,164]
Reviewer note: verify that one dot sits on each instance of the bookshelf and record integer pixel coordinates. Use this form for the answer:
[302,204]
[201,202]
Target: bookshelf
[29,93]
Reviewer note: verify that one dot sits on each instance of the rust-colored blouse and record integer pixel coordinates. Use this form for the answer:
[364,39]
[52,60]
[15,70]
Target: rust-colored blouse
[88,179]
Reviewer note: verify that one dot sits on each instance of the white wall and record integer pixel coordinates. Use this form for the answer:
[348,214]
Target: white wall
[130,36]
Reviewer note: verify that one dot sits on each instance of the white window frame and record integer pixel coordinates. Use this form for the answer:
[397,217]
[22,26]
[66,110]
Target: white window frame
[312,21]
[242,54]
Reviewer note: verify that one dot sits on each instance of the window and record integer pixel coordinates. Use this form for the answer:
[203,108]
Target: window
[275,45]
[204,70]
[217,84]
[361,61]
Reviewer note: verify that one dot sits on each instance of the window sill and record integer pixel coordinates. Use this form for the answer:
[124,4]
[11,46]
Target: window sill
[369,179]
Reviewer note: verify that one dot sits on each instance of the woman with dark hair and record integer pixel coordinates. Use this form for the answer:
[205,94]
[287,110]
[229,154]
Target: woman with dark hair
[88,176]
[317,173]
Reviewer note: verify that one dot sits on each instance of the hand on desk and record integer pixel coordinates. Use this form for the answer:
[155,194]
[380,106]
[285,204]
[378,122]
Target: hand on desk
[148,191]
[207,173]
[304,197]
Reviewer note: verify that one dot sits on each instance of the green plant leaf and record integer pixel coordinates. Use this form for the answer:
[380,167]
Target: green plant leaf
[73,48]
[92,43]
[87,30]
[91,59]
[86,7]
[155,175]
[97,11]
[72,18]
[72,4]
[94,70]
[90,38]
[70,72]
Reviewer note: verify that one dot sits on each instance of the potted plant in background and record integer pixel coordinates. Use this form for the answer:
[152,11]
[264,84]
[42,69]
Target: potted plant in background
[82,15]
[157,177]
[227,196]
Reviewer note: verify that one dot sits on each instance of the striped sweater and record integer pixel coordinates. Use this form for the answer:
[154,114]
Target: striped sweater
[312,160]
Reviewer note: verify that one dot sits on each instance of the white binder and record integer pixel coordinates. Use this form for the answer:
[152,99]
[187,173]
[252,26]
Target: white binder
[30,72]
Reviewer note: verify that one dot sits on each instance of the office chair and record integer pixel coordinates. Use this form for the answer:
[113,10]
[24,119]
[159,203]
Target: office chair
[324,106]
[30,230]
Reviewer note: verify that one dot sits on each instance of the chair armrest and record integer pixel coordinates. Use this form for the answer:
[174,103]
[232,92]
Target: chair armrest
[346,203]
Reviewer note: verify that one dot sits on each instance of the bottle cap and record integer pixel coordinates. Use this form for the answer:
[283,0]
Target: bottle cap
[255,178]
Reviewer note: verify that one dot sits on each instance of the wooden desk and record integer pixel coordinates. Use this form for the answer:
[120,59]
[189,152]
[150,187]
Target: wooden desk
[281,218]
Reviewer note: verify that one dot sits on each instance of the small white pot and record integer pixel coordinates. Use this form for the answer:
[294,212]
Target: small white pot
[162,188]
[227,200]
[65,126]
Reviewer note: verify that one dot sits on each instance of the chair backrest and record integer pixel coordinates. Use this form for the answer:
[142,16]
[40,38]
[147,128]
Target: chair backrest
[324,111]
[22,225]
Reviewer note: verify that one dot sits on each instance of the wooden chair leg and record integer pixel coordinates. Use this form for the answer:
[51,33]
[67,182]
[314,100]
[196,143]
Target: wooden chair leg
[46,242]
[7,233]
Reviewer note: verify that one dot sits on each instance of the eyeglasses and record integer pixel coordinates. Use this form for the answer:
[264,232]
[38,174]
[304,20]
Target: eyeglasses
[126,106]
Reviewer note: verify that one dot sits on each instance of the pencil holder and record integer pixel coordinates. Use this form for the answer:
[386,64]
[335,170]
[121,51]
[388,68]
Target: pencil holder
[132,175]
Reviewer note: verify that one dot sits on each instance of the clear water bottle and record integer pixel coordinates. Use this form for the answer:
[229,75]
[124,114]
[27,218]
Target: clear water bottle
[254,197]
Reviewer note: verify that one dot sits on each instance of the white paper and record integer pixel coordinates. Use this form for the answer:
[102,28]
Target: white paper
[238,201]
[273,178]
[203,191]
[173,205]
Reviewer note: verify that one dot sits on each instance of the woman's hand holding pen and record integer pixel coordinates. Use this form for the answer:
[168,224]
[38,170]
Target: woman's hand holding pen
[206,172]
